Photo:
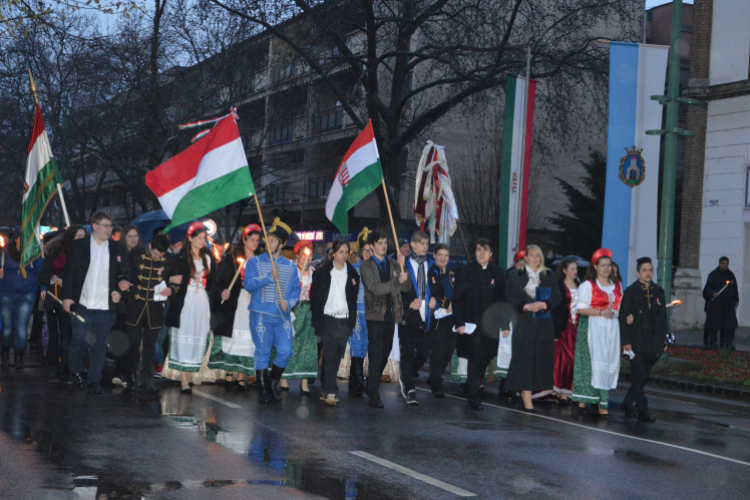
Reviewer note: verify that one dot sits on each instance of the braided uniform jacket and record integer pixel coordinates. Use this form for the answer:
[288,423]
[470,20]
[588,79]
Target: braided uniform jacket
[146,273]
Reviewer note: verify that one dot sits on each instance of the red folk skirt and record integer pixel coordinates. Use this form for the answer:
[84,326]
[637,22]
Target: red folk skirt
[565,353]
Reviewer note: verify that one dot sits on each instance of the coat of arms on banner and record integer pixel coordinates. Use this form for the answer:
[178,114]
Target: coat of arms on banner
[632,167]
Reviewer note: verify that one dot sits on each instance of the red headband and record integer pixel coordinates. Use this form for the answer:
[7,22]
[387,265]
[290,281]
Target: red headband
[302,244]
[249,229]
[518,256]
[602,252]
[194,227]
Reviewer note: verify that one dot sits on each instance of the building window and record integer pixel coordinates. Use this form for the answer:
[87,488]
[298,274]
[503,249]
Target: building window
[275,194]
[319,188]
[329,119]
[281,134]
[284,73]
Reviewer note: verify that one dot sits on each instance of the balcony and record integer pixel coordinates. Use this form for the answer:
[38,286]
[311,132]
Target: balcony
[329,119]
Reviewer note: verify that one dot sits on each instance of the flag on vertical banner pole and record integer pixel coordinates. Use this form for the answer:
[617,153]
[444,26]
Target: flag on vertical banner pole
[434,205]
[40,186]
[359,174]
[520,95]
[636,72]
[207,176]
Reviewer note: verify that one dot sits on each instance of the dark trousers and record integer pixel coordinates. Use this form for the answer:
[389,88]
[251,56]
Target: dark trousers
[442,342]
[640,369]
[58,346]
[380,337]
[423,345]
[37,321]
[409,336]
[483,350]
[90,337]
[336,332]
[142,344]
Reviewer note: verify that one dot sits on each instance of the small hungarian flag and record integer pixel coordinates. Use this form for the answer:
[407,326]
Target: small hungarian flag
[358,175]
[39,188]
[207,176]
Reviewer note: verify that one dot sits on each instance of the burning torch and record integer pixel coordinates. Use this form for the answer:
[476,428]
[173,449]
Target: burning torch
[240,267]
[717,295]
[2,245]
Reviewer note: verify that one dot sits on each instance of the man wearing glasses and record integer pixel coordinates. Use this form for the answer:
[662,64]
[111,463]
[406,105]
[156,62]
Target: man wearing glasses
[95,276]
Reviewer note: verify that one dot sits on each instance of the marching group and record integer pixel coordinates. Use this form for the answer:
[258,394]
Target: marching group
[263,318]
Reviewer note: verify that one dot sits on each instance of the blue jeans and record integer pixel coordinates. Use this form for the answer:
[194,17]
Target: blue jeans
[358,340]
[16,309]
[90,336]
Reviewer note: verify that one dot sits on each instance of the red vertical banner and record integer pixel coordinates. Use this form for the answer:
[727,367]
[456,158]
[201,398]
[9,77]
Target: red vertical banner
[526,164]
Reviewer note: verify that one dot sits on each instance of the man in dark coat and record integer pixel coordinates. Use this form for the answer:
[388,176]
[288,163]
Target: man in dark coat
[145,311]
[479,285]
[442,338]
[95,277]
[722,299]
[643,329]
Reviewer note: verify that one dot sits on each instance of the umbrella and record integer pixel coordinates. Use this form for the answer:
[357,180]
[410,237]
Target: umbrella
[148,222]
[578,260]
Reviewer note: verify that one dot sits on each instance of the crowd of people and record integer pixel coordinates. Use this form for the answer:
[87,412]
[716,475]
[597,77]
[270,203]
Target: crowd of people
[256,317]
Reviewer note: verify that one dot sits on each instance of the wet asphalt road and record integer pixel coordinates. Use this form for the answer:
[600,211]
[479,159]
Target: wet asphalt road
[59,443]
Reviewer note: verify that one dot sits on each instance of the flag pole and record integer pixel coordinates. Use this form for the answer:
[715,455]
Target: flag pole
[390,216]
[32,86]
[268,247]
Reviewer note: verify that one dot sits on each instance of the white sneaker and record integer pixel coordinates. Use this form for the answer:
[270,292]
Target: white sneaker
[401,383]
[332,400]
[122,382]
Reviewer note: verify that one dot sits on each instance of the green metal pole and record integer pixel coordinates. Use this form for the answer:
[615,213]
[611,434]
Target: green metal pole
[666,227]
[63,151]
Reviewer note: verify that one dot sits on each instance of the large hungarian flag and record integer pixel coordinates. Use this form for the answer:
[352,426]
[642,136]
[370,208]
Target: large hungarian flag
[514,178]
[207,176]
[358,175]
[40,186]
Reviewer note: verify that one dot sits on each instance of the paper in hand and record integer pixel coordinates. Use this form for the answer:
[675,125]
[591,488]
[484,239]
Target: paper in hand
[158,297]
[470,327]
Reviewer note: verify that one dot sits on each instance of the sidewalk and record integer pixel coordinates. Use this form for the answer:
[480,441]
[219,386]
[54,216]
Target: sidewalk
[695,338]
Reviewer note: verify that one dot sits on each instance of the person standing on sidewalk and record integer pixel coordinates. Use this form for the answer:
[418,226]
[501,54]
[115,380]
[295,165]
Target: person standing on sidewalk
[722,299]
[95,277]
[333,301]
[643,329]
[384,282]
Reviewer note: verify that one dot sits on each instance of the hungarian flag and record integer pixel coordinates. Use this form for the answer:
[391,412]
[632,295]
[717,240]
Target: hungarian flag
[358,175]
[207,176]
[514,176]
[39,188]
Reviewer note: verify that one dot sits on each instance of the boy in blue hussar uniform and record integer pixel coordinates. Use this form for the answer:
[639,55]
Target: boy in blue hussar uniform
[358,340]
[270,315]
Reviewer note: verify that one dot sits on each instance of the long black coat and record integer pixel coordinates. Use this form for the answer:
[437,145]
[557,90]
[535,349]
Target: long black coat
[720,312]
[77,266]
[533,362]
[321,286]
[643,337]
[470,302]
[177,301]
[222,315]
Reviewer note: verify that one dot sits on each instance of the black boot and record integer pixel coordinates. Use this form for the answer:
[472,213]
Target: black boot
[18,360]
[275,378]
[359,366]
[5,357]
[353,376]
[262,381]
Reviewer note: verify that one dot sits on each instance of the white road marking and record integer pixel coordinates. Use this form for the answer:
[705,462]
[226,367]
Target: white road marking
[416,475]
[704,453]
[214,398]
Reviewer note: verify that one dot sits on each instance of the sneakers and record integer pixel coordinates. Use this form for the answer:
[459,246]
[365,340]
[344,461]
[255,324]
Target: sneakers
[95,388]
[332,400]
[77,380]
[120,382]
[411,397]
[157,370]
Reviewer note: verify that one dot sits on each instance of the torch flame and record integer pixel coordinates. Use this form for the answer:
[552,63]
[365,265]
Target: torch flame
[728,282]
[226,245]
[2,242]
[307,251]
[677,302]
[240,260]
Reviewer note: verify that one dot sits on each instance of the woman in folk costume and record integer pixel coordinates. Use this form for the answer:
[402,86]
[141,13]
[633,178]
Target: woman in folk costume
[189,314]
[304,362]
[270,312]
[597,360]
[233,350]
[565,317]
[533,293]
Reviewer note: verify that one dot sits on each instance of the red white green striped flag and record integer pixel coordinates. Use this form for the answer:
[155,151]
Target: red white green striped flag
[39,188]
[358,175]
[207,176]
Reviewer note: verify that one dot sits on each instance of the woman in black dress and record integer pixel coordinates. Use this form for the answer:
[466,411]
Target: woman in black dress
[533,293]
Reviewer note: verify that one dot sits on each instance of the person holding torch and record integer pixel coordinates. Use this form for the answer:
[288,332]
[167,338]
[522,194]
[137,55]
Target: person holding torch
[722,298]
[234,350]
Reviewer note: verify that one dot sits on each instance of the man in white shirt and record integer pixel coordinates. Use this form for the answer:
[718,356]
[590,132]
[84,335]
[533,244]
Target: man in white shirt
[333,302]
[95,276]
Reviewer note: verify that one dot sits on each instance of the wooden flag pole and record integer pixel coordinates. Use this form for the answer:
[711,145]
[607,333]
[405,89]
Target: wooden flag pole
[390,216]
[268,246]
